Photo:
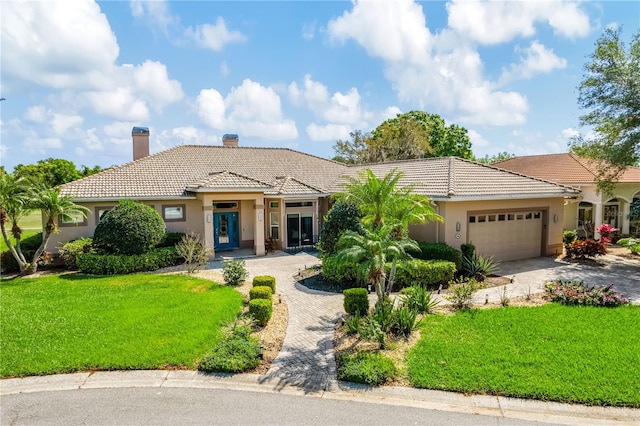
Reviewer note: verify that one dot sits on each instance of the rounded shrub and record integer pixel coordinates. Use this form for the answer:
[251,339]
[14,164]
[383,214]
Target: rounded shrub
[370,368]
[260,292]
[129,228]
[234,272]
[343,216]
[356,301]
[70,251]
[439,251]
[261,310]
[265,280]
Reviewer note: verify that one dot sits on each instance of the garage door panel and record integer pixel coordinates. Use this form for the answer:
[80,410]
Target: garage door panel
[507,235]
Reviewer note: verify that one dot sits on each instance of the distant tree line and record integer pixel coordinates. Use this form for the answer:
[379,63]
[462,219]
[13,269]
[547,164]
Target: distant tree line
[51,172]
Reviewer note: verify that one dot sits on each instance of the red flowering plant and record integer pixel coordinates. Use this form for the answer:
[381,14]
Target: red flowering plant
[606,231]
[582,249]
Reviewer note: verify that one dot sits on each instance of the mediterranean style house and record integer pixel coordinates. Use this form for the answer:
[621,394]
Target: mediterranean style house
[592,208]
[239,197]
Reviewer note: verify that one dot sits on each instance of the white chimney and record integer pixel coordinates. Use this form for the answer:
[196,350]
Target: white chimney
[230,140]
[140,142]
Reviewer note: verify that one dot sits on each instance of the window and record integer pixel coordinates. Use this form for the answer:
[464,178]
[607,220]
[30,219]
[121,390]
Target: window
[100,211]
[175,213]
[472,219]
[274,225]
[299,230]
[75,220]
[482,219]
[274,204]
[528,216]
[225,205]
[519,217]
[536,215]
[501,217]
[492,218]
[300,204]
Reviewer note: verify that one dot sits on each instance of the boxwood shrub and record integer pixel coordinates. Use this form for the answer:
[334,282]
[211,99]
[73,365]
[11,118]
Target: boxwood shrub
[370,368]
[439,251]
[265,280]
[260,292]
[116,264]
[356,301]
[428,273]
[70,251]
[261,310]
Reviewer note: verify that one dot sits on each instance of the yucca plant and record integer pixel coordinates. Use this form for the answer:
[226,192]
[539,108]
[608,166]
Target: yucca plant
[479,267]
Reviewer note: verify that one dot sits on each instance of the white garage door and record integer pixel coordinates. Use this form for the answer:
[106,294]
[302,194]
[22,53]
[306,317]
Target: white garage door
[507,235]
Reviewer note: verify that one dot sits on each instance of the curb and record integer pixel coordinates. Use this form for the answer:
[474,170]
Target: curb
[486,405]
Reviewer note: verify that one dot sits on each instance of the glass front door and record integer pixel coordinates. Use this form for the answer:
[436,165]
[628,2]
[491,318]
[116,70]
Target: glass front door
[611,214]
[225,231]
[299,230]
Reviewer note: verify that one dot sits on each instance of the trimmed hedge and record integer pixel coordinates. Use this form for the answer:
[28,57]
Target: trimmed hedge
[427,273]
[261,310]
[116,264]
[356,300]
[260,292]
[338,272]
[70,251]
[439,251]
[28,246]
[170,239]
[265,281]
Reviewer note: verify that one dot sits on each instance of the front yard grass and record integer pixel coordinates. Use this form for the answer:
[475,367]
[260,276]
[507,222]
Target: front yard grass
[67,323]
[588,355]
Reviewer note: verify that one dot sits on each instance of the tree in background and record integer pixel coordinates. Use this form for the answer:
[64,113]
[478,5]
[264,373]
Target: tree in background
[610,91]
[53,172]
[501,156]
[415,134]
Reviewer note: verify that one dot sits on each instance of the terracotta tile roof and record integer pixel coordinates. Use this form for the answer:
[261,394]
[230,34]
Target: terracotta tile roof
[457,179]
[292,186]
[565,168]
[168,173]
[227,180]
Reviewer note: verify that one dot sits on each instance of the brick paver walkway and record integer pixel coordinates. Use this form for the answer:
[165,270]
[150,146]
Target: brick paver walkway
[306,359]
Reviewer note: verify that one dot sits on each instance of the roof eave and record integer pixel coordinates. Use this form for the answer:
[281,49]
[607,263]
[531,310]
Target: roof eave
[148,198]
[493,197]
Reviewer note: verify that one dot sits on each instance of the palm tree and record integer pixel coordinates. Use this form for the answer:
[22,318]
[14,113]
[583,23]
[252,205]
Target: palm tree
[371,251]
[409,208]
[54,207]
[14,205]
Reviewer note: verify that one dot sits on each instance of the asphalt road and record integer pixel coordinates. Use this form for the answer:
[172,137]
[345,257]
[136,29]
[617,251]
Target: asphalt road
[189,406]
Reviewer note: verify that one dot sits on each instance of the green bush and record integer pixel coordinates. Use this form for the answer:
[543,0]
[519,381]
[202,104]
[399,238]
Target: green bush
[261,310]
[116,264]
[234,272]
[28,246]
[419,299]
[233,355]
[439,251]
[343,216]
[352,324]
[461,294]
[129,228]
[336,271]
[383,314]
[370,368]
[260,292]
[70,250]
[356,301]
[403,321]
[479,267]
[265,280]
[427,273]
[170,239]
[569,236]
[467,249]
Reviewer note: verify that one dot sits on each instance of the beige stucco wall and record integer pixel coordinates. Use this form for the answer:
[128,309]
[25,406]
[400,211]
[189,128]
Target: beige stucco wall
[458,211]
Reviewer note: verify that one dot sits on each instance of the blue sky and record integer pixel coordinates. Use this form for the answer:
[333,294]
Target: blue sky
[77,76]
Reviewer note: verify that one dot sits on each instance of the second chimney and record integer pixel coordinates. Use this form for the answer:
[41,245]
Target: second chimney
[230,140]
[140,142]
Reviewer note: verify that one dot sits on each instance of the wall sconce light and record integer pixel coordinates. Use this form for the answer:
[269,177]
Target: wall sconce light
[260,216]
[458,226]
[208,217]
[555,218]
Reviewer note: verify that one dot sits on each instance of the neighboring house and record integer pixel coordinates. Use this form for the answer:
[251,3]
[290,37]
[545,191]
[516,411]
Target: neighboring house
[592,208]
[237,197]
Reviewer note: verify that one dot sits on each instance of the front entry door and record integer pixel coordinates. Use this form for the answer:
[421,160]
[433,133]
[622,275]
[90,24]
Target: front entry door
[225,231]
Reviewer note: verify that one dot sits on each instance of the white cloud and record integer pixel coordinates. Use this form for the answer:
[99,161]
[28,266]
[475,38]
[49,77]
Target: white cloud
[477,140]
[441,71]
[569,133]
[120,103]
[36,114]
[537,59]
[494,22]
[328,132]
[155,11]
[309,30]
[63,123]
[118,132]
[214,36]
[249,109]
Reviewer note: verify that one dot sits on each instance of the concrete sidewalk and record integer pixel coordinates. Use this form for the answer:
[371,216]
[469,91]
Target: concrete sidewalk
[496,406]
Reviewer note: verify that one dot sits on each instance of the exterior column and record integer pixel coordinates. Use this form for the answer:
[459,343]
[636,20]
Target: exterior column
[626,208]
[597,220]
[207,216]
[258,229]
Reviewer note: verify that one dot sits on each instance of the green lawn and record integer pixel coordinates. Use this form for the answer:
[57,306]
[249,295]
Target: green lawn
[77,323]
[561,353]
